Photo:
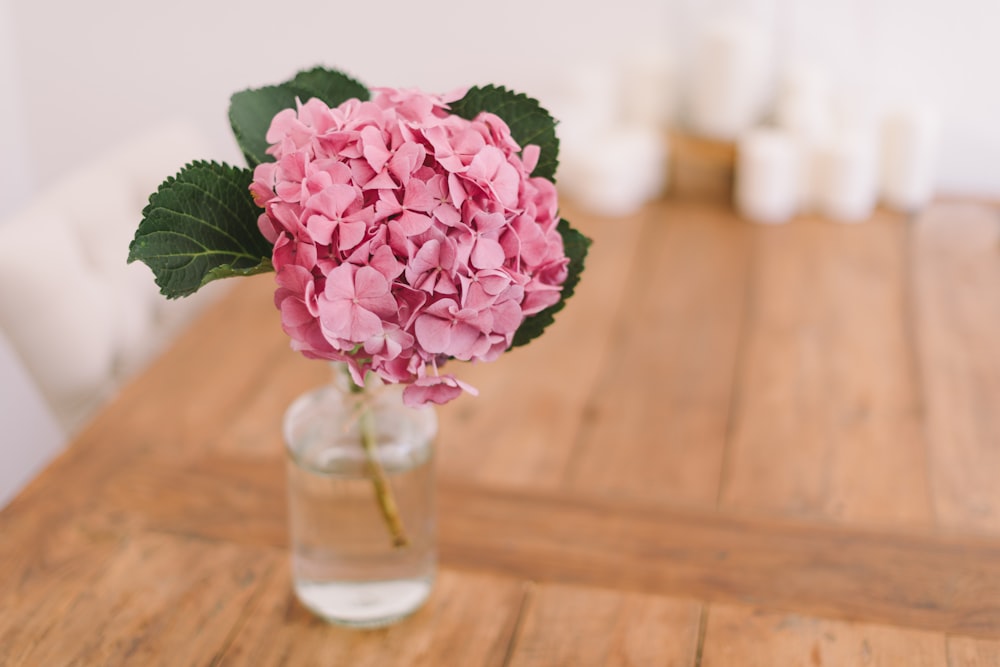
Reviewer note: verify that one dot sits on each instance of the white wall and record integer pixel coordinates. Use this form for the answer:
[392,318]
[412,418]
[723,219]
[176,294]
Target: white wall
[80,78]
[942,53]
[16,183]
[96,72]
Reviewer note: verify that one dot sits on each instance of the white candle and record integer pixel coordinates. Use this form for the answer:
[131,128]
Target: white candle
[590,92]
[727,89]
[846,177]
[649,87]
[767,176]
[803,108]
[909,154]
[854,110]
[621,170]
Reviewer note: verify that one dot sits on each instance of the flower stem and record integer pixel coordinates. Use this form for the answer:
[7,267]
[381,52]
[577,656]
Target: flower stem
[383,491]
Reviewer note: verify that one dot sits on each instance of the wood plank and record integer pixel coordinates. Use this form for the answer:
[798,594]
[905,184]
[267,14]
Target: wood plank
[575,626]
[227,499]
[956,259]
[42,527]
[918,580]
[915,579]
[736,636]
[827,421]
[156,601]
[967,652]
[468,620]
[522,427]
[655,425]
[40,571]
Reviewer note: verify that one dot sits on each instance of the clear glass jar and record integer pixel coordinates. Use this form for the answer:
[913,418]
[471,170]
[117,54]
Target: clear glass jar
[362,521]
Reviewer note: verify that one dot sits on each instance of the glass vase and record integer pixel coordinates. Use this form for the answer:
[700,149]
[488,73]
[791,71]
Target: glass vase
[361,502]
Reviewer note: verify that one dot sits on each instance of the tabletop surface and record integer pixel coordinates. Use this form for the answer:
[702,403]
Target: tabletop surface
[738,445]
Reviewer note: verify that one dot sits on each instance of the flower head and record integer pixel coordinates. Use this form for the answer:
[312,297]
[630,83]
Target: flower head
[404,235]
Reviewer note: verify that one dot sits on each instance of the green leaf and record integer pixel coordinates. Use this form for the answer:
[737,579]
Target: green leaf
[199,226]
[529,123]
[576,246]
[251,111]
[331,86]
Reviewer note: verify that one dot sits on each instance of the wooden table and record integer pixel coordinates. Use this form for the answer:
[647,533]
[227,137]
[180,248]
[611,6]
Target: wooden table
[739,445]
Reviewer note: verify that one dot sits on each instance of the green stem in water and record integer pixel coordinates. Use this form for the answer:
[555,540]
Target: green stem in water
[383,491]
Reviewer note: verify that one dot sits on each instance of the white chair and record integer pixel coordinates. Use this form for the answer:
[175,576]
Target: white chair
[31,435]
[76,315]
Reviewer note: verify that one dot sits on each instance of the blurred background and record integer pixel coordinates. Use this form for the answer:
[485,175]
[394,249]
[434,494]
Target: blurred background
[790,106]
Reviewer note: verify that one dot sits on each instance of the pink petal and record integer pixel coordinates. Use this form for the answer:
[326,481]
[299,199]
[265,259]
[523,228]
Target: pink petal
[507,317]
[340,283]
[417,395]
[438,390]
[336,317]
[372,292]
[375,150]
[529,157]
[447,215]
[381,181]
[426,258]
[281,125]
[351,234]
[409,303]
[384,261]
[294,313]
[406,160]
[433,333]
[369,283]
[463,338]
[490,169]
[364,324]
[267,228]
[418,197]
[414,223]
[487,254]
[334,200]
[320,229]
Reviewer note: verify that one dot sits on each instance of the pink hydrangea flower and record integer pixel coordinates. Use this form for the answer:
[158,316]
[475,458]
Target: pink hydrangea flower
[404,236]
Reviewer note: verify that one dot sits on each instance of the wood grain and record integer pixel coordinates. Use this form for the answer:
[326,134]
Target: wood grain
[966,652]
[156,600]
[41,572]
[575,626]
[655,425]
[469,620]
[827,420]
[735,636]
[956,272]
[948,583]
[919,580]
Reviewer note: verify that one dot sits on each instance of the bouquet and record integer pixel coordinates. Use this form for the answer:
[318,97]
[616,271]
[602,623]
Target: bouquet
[405,229]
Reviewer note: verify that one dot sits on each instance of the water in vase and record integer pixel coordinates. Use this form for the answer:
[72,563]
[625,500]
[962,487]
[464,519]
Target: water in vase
[345,567]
